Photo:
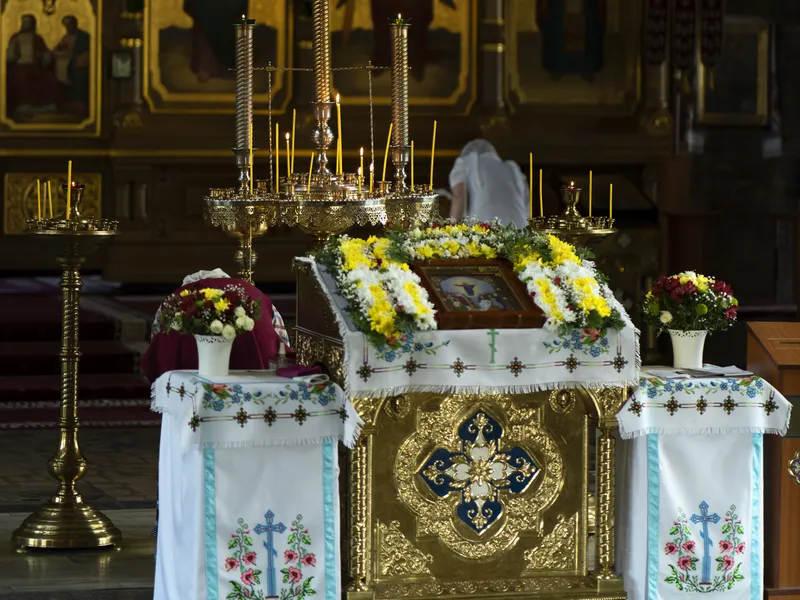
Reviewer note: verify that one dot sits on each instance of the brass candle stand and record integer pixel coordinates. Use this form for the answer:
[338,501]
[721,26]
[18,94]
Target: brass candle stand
[570,224]
[66,521]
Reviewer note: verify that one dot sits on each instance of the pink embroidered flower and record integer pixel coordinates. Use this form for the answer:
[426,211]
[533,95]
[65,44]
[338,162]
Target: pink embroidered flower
[670,548]
[310,560]
[689,547]
[248,578]
[289,556]
[249,558]
[727,562]
[725,546]
[593,334]
[685,563]
[295,575]
[231,564]
[740,548]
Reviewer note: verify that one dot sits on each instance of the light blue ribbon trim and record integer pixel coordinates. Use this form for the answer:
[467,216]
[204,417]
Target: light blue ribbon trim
[653,501]
[329,512]
[756,576]
[210,512]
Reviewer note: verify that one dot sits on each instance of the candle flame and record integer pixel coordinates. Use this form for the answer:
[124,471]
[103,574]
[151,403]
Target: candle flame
[244,17]
[371,166]
[571,184]
[399,17]
[337,98]
[361,152]
[287,137]
[359,171]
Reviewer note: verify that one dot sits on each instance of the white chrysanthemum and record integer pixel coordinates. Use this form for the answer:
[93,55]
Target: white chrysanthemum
[216,326]
[666,317]
[239,312]
[228,332]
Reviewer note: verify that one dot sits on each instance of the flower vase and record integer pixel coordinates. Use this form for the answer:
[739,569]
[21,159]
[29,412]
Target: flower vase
[687,348]
[213,355]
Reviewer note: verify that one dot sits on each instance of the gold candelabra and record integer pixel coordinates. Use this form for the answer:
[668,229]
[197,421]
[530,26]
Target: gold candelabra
[66,521]
[570,224]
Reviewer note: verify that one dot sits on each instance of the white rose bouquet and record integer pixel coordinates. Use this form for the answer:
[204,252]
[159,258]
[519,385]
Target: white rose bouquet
[208,311]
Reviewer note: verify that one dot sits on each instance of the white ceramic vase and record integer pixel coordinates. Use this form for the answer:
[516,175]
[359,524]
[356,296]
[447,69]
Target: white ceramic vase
[687,348]
[213,355]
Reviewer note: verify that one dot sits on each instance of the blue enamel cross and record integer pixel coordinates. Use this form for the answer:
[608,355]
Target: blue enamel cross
[705,519]
[269,528]
[493,333]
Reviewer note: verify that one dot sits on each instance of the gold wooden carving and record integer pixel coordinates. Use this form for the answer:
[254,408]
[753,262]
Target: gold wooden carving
[397,556]
[562,401]
[20,204]
[557,552]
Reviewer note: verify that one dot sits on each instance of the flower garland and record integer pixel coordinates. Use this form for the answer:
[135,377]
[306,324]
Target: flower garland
[387,300]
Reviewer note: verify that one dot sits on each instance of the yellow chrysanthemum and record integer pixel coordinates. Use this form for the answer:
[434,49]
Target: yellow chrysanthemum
[562,251]
[185,293]
[413,290]
[451,246]
[549,298]
[222,305]
[355,253]
[597,303]
[381,315]
[210,293]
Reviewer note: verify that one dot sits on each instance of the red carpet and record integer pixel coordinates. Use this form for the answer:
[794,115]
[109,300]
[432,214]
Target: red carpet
[113,332]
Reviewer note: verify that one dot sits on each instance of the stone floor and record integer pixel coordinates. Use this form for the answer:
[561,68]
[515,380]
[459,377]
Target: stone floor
[121,481]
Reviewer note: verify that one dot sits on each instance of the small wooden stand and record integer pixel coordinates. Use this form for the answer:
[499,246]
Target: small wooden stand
[773,352]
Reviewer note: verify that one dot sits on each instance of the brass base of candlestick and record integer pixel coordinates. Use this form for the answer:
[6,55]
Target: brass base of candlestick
[570,224]
[74,525]
[65,521]
[416,207]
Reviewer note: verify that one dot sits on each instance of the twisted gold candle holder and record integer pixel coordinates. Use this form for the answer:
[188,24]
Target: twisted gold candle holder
[66,521]
[570,224]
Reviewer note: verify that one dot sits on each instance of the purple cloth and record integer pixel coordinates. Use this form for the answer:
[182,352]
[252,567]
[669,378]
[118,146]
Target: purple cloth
[251,351]
[298,371]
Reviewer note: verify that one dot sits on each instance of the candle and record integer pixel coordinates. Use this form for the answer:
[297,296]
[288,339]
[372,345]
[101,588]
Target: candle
[412,165]
[590,193]
[288,157]
[386,154]
[50,197]
[360,169]
[610,200]
[39,199]
[69,185]
[371,177]
[310,169]
[433,150]
[530,185]
[541,201]
[339,146]
[251,157]
[294,124]
[277,159]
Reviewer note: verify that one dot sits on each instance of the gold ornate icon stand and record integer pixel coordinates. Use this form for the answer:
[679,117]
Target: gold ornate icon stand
[66,521]
[794,467]
[570,224]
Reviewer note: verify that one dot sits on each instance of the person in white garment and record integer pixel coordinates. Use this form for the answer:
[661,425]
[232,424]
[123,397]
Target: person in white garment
[486,187]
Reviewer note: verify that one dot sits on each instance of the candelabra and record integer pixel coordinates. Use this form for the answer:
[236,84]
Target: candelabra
[66,521]
[570,224]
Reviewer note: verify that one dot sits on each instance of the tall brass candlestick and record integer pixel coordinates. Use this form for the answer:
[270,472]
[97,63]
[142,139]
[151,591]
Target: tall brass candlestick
[400,147]
[244,99]
[321,133]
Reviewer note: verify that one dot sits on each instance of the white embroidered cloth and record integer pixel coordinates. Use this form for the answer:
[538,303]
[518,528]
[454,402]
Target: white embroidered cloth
[694,475]
[482,361]
[696,406]
[249,497]
[254,408]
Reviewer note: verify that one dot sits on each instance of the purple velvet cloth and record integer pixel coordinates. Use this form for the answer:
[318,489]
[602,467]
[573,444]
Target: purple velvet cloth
[298,371]
[251,350]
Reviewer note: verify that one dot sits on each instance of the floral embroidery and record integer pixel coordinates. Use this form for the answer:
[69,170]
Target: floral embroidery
[619,363]
[270,416]
[702,405]
[458,367]
[301,415]
[241,417]
[219,396]
[635,407]
[194,422]
[571,363]
[411,366]
[688,571]
[365,372]
[729,404]
[770,406]
[590,342]
[297,559]
[516,366]
[406,344]
[672,406]
[243,559]
[317,393]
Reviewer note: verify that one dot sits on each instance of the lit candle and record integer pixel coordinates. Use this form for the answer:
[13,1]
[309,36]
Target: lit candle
[530,185]
[371,177]
[69,185]
[277,159]
[294,124]
[288,157]
[339,166]
[50,198]
[39,199]
[310,169]
[360,169]
[251,157]
[412,165]
[590,193]
[386,154]
[541,201]
[610,200]
[433,150]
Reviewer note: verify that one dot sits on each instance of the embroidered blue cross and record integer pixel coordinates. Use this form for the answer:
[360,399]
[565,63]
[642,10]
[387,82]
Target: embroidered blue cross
[493,333]
[269,528]
[705,519]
